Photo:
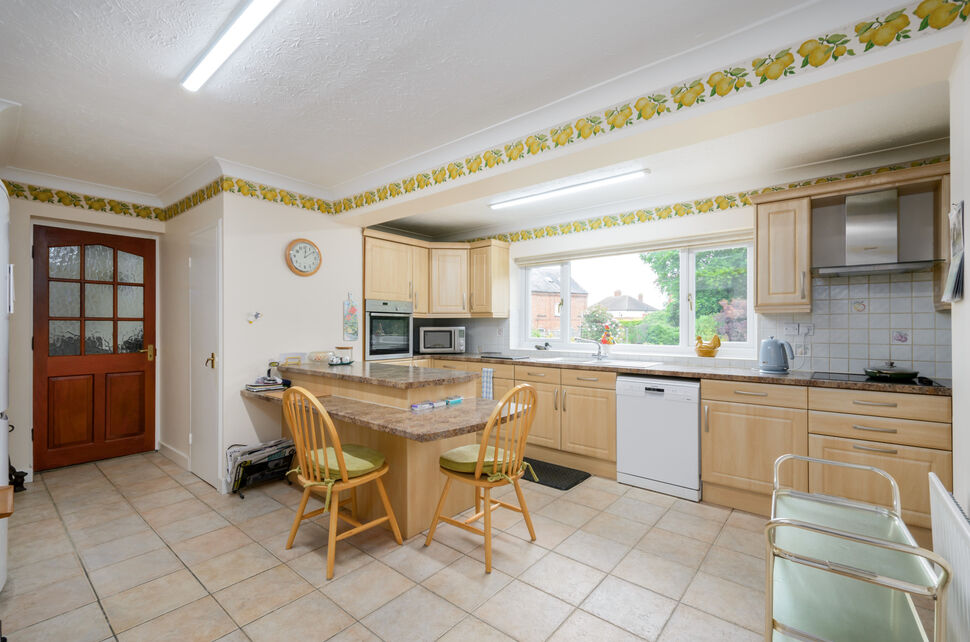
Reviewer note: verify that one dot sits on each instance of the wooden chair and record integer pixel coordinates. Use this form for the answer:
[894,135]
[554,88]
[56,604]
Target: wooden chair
[326,466]
[498,463]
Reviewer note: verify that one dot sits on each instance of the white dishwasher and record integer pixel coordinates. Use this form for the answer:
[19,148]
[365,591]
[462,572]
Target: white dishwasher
[658,435]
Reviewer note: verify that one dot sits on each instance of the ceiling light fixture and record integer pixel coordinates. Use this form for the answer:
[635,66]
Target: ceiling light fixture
[569,189]
[234,35]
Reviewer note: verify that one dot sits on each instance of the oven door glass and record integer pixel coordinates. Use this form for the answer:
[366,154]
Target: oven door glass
[438,340]
[389,334]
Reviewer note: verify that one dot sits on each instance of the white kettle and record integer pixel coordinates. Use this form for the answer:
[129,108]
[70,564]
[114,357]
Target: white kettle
[774,355]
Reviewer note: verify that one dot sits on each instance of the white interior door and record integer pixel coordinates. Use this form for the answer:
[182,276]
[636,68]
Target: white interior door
[205,370]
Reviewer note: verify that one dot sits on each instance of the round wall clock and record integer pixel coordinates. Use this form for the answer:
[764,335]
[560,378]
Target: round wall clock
[303,257]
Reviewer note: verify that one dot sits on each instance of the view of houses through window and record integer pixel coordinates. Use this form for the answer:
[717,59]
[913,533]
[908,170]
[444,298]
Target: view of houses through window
[641,296]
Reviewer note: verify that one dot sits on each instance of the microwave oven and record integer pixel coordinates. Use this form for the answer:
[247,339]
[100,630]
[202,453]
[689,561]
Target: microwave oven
[441,340]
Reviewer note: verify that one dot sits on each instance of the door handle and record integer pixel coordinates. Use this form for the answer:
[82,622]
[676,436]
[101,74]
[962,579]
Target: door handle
[886,404]
[150,351]
[555,400]
[751,394]
[564,401]
[803,284]
[870,428]
[707,419]
[888,451]
[210,361]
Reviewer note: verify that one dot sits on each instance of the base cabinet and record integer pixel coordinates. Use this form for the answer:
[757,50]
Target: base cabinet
[589,422]
[546,428]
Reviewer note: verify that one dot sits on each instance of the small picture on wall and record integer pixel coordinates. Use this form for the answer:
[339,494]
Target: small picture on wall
[351,325]
[953,290]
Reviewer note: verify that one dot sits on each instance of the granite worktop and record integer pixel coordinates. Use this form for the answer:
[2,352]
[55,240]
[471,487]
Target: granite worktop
[751,375]
[381,374]
[467,417]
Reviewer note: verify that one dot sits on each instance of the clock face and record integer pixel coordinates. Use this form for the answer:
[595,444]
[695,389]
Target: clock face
[303,257]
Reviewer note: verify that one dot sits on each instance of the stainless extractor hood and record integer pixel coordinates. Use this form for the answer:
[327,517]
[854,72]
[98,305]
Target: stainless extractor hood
[873,244]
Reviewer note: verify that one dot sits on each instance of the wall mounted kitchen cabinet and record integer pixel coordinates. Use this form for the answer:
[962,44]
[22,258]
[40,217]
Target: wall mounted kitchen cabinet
[449,281]
[387,270]
[488,291]
[420,280]
[783,240]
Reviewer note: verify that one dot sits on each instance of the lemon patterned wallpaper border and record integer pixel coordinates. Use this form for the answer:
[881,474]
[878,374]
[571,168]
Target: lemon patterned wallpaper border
[710,204]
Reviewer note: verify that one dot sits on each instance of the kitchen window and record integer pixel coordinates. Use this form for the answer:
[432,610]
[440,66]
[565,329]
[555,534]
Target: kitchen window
[652,301]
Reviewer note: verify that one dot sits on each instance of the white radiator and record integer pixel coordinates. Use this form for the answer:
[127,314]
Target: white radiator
[951,540]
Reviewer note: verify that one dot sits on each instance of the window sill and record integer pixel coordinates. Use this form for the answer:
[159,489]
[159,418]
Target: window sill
[737,358]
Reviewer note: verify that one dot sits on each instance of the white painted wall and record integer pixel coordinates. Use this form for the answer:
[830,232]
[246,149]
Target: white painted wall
[960,315]
[299,314]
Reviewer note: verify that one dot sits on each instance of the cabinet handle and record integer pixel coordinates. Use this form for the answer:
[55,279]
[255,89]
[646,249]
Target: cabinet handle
[587,378]
[463,301]
[707,418]
[869,428]
[803,285]
[564,401]
[555,400]
[888,451]
[536,374]
[887,404]
[751,394]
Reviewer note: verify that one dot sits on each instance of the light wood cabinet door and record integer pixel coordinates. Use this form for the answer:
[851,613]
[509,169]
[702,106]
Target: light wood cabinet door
[488,287]
[740,442]
[387,270]
[500,387]
[420,292]
[908,465]
[589,422]
[449,281]
[545,428]
[783,240]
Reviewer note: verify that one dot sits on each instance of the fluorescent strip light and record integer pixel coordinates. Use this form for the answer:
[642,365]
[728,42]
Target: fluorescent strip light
[244,24]
[570,189]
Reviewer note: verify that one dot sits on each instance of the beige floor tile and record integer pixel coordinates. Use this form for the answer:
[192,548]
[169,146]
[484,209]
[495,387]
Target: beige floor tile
[183,509]
[616,528]
[130,608]
[30,577]
[39,550]
[674,546]
[120,549]
[606,485]
[631,607]
[86,538]
[161,499]
[457,538]
[86,624]
[649,496]
[712,512]
[584,626]
[309,538]
[591,497]
[251,599]
[729,601]
[286,494]
[377,542]
[510,554]
[367,588]
[418,562]
[198,621]
[225,570]
[24,609]
[524,612]
[643,512]
[191,527]
[563,577]
[27,535]
[472,629]
[312,566]
[203,490]
[465,583]
[503,518]
[593,550]
[311,617]
[239,510]
[29,514]
[355,633]
[235,636]
[212,544]
[105,513]
[690,625]
[535,500]
[747,521]
[742,541]
[91,503]
[418,614]
[149,486]
[549,532]
[82,493]
[690,525]
[567,512]
[134,571]
[658,574]
[268,524]
[737,567]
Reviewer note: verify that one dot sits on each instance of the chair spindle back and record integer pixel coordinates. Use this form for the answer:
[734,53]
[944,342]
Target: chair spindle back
[507,429]
[312,429]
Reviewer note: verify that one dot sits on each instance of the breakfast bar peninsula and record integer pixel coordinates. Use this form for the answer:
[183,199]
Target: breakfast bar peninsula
[370,404]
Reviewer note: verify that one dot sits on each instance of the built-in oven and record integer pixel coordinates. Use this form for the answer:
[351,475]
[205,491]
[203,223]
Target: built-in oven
[388,327]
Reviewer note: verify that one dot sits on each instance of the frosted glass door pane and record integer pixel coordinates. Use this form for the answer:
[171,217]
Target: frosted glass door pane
[131,336]
[64,338]
[131,268]
[131,301]
[98,300]
[64,262]
[99,263]
[64,299]
[98,337]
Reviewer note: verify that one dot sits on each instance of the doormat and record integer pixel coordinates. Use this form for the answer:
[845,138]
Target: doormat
[556,476]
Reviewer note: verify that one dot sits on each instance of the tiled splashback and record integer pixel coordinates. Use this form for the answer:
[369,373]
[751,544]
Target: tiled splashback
[869,319]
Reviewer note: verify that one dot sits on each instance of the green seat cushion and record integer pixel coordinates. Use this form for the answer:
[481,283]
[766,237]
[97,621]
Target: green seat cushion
[359,460]
[464,458]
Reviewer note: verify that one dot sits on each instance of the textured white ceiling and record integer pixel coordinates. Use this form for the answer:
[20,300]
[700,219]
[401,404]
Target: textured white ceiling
[324,91]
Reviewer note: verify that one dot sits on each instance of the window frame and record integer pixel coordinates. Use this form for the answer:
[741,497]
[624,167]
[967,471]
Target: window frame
[688,286]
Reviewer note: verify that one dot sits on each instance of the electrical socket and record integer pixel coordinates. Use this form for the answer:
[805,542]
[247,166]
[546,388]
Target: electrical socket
[807,329]
[791,329]
[803,349]
[499,331]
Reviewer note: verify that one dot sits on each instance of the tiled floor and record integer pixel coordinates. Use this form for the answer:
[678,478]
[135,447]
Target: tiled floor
[138,549]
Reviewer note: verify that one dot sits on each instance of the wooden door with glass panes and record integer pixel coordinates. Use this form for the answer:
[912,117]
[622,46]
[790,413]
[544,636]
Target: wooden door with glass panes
[94,346]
